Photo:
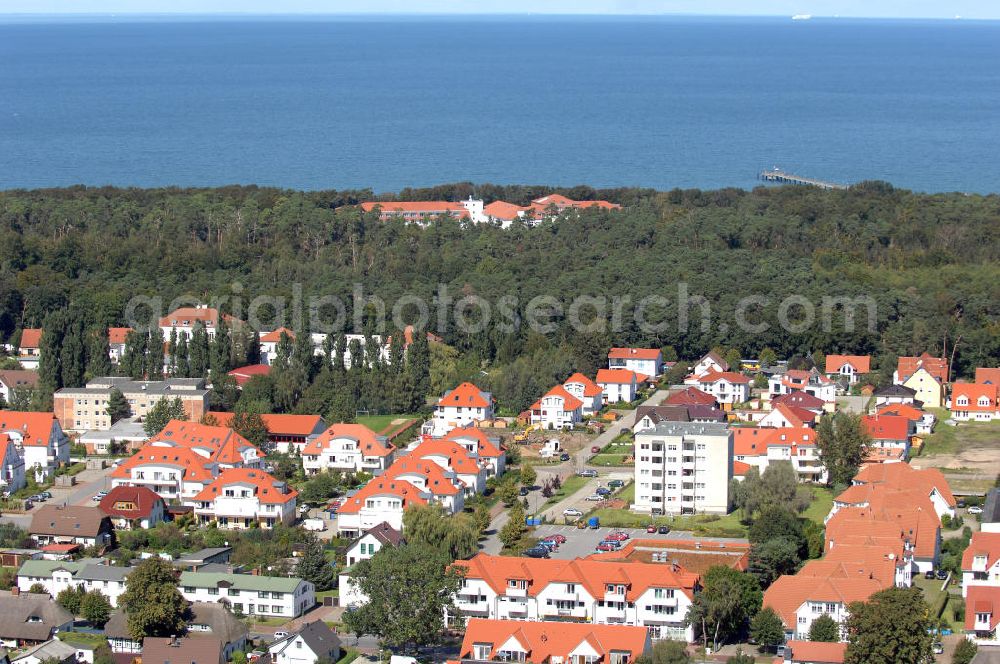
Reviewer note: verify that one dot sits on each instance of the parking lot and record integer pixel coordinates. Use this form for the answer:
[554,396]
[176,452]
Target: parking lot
[583,542]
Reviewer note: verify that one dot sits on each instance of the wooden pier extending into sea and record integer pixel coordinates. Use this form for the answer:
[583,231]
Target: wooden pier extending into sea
[777,175]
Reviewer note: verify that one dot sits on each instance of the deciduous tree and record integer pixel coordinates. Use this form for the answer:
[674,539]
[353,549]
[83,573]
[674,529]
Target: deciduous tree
[891,627]
[153,606]
[824,628]
[843,443]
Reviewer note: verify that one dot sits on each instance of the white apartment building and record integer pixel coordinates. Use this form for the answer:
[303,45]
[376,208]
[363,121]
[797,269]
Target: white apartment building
[241,498]
[466,405]
[272,596]
[811,382]
[488,450]
[557,409]
[39,440]
[652,595]
[646,361]
[89,574]
[683,468]
[981,562]
[12,476]
[728,387]
[618,385]
[347,448]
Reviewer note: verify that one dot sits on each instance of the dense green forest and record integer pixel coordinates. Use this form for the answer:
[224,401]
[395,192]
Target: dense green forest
[931,263]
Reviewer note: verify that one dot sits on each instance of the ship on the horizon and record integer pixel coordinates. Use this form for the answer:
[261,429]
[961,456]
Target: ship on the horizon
[802,17]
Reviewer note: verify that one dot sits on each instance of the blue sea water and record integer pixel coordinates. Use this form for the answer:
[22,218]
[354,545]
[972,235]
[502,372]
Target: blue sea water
[336,102]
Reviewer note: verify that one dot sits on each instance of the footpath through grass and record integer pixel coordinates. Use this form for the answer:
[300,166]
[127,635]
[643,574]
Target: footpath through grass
[570,485]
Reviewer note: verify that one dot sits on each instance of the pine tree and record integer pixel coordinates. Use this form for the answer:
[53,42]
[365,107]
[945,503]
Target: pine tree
[50,351]
[172,351]
[118,407]
[283,351]
[134,358]
[314,567]
[182,361]
[329,348]
[338,354]
[247,422]
[198,351]
[397,353]
[221,348]
[418,363]
[154,356]
[73,355]
[99,353]
[161,413]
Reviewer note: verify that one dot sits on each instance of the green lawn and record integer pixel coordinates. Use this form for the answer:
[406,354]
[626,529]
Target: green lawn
[570,485]
[349,656]
[706,525]
[820,505]
[948,439]
[327,593]
[610,460]
[378,423]
[933,594]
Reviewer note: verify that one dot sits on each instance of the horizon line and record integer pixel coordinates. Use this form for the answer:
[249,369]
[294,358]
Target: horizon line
[236,13]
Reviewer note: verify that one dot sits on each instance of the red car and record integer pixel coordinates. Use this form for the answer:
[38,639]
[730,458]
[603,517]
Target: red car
[559,539]
[595,449]
[606,546]
[651,528]
[618,536]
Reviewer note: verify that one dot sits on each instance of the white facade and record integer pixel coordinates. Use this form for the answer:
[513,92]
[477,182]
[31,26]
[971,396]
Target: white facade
[554,413]
[41,458]
[253,595]
[11,467]
[810,382]
[684,468]
[344,452]
[616,391]
[462,407]
[710,363]
[725,389]
[58,576]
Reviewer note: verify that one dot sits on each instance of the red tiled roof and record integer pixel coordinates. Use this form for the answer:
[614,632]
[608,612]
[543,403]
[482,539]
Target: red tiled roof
[189,315]
[35,428]
[570,402]
[142,498]
[901,410]
[243,374]
[982,544]
[973,392]
[548,641]
[750,441]
[381,486]
[267,490]
[504,210]
[485,447]
[294,425]
[274,336]
[988,375]
[903,476]
[982,599]
[617,377]
[117,335]
[789,592]
[862,364]
[816,652]
[716,376]
[935,366]
[31,337]
[222,443]
[740,468]
[193,465]
[634,354]
[418,207]
[690,395]
[798,399]
[369,444]
[887,427]
[436,480]
[590,388]
[465,395]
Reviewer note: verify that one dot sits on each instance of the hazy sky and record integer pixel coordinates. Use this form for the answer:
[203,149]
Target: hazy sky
[864,8]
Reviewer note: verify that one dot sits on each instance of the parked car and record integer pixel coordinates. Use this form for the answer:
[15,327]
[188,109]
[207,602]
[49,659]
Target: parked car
[975,509]
[616,484]
[960,504]
[523,491]
[603,490]
[561,539]
[929,574]
[564,456]
[938,648]
[663,530]
[99,496]
[572,511]
[280,635]
[941,575]
[615,544]
[537,552]
[548,544]
[46,495]
[606,546]
[595,449]
[651,528]
[587,472]
[594,497]
[617,536]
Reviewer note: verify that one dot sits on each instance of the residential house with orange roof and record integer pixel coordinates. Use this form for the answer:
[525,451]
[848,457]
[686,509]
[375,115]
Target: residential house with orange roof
[890,432]
[441,485]
[347,448]
[647,361]
[285,431]
[619,385]
[553,205]
[382,499]
[171,472]
[424,212]
[982,615]
[981,562]
[29,349]
[930,483]
[689,396]
[928,390]
[269,343]
[461,407]
[184,319]
[505,214]
[12,477]
[241,498]
[849,368]
[923,421]
[989,375]
[133,507]
[906,366]
[454,458]
[800,599]
[39,440]
[917,527]
[813,652]
[242,375]
[804,401]
[811,382]
[589,393]
[728,387]
[782,416]
[486,448]
[974,402]
[694,555]
[519,641]
[652,595]
[216,444]
[760,447]
[117,336]
[557,409]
